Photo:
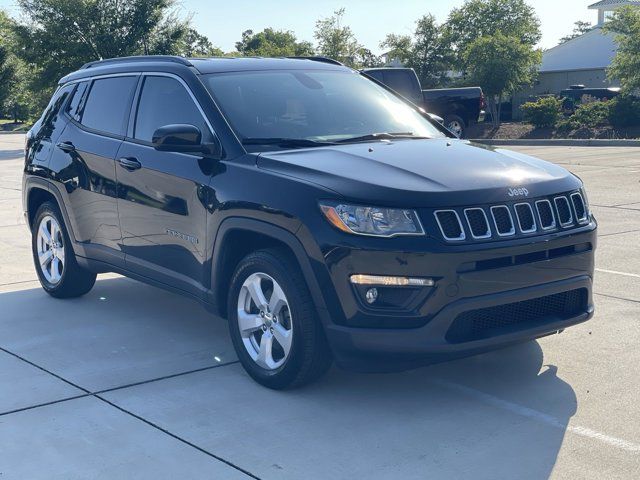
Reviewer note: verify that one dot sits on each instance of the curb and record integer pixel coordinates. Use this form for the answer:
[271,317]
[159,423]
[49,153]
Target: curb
[12,133]
[558,142]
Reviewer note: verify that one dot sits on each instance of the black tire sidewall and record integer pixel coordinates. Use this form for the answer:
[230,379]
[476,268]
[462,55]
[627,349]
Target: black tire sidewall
[285,374]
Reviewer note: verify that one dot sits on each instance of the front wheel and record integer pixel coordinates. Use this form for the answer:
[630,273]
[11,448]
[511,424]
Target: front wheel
[274,327]
[53,256]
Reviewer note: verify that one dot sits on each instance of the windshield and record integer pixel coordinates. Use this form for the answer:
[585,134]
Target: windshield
[302,107]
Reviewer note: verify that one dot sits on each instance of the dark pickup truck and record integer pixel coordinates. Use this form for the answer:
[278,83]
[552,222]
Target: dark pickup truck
[460,107]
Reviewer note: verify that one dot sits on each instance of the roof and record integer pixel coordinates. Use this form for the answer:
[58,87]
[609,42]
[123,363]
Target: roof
[612,3]
[591,51]
[201,65]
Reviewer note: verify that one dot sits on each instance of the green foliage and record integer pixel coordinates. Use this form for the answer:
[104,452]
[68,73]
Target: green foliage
[543,113]
[579,29]
[272,43]
[337,41]
[500,65]
[193,44]
[428,52]
[58,36]
[624,111]
[625,67]
[485,18]
[587,115]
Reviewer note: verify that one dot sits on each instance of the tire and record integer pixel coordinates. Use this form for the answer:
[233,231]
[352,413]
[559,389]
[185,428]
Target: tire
[308,356]
[59,273]
[456,125]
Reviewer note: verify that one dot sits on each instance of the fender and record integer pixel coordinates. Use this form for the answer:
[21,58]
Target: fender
[310,273]
[81,251]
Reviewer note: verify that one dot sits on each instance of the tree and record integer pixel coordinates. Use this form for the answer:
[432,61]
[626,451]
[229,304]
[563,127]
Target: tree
[428,52]
[336,40]
[58,36]
[484,18]
[500,65]
[625,67]
[579,29]
[273,43]
[193,44]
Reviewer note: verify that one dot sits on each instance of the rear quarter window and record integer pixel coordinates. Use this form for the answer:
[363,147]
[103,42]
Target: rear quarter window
[107,106]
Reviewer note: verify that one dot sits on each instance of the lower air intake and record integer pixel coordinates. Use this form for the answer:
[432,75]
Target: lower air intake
[493,321]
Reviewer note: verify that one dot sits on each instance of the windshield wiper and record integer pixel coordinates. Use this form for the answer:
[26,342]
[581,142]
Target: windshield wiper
[285,142]
[380,136]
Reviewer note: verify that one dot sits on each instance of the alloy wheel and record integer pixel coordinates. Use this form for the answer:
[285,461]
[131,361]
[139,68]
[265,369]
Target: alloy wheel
[264,321]
[50,249]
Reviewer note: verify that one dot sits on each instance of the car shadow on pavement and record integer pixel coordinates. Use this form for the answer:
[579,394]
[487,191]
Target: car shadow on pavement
[498,415]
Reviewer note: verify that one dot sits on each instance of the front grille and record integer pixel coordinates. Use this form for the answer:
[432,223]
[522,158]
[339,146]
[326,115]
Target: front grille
[526,221]
[502,220]
[545,215]
[478,223]
[450,224]
[564,211]
[579,207]
[517,219]
[493,321]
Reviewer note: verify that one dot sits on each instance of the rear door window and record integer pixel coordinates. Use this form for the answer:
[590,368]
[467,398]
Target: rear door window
[107,106]
[74,109]
[165,101]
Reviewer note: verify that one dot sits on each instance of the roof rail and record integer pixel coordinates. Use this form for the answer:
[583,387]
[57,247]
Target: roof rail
[316,58]
[138,58]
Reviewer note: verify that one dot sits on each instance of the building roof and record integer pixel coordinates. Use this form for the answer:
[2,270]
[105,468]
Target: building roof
[603,4]
[591,51]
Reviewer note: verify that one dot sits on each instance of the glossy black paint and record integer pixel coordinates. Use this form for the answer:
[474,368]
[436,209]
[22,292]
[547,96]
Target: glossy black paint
[181,220]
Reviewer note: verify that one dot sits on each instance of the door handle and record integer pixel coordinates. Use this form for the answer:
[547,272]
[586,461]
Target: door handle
[130,163]
[66,147]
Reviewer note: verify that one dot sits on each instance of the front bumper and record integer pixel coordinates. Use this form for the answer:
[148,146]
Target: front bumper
[466,281]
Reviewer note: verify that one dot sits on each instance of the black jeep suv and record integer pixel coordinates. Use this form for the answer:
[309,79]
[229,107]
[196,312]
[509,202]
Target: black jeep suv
[322,215]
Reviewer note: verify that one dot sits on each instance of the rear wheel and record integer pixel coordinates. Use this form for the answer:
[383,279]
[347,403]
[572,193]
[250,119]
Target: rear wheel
[54,259]
[273,323]
[456,125]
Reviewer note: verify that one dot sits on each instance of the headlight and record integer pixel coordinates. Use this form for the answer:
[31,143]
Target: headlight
[379,222]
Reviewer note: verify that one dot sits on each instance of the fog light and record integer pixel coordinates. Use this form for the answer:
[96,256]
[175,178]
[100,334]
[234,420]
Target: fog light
[391,281]
[371,295]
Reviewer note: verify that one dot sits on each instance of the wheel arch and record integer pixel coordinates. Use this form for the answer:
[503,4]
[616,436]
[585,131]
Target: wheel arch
[237,237]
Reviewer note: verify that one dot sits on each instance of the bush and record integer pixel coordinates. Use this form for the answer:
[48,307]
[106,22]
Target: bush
[587,115]
[544,112]
[624,111]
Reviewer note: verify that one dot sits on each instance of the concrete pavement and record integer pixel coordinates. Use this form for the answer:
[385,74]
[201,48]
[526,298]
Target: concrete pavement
[133,382]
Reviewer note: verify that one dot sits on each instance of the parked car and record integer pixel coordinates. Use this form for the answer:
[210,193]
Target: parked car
[572,96]
[323,216]
[460,107]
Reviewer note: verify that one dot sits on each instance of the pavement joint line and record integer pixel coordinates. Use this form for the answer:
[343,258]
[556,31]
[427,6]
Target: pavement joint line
[138,417]
[540,417]
[616,272]
[617,298]
[617,208]
[619,233]
[18,282]
[173,435]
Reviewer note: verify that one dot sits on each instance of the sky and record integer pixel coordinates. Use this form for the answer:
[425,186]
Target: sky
[224,21]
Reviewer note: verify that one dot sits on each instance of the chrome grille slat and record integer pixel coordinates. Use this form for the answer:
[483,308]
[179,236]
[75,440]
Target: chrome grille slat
[579,207]
[444,219]
[474,221]
[565,216]
[501,231]
[544,205]
[526,220]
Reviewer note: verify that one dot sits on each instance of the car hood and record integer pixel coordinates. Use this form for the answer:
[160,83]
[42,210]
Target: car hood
[422,173]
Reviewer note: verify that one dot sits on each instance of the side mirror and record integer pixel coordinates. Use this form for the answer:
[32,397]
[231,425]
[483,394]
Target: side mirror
[178,138]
